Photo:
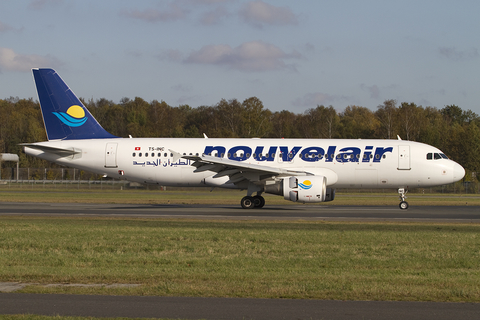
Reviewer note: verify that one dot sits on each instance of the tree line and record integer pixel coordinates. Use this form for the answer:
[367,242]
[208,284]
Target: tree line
[453,130]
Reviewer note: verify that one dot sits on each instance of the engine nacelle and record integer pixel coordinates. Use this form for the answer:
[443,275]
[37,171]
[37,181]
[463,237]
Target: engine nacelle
[305,188]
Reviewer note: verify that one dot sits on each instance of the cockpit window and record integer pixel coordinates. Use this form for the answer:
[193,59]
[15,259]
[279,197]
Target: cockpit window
[436,156]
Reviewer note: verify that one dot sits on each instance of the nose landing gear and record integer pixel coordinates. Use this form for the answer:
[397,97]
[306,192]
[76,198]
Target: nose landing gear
[401,193]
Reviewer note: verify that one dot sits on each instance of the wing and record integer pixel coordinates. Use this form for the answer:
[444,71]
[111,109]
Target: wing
[237,171]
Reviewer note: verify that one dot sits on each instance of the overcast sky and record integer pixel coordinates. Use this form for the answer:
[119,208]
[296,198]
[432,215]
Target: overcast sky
[292,55]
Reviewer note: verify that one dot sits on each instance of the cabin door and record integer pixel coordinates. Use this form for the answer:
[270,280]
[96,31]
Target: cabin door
[404,158]
[111,155]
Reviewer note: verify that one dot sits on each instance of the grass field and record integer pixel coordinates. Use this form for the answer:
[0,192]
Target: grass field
[314,260]
[57,194]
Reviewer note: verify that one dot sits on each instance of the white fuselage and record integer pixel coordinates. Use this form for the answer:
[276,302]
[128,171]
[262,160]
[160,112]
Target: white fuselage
[345,163]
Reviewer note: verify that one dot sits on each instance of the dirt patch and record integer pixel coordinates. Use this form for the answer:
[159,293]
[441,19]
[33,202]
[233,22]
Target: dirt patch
[15,286]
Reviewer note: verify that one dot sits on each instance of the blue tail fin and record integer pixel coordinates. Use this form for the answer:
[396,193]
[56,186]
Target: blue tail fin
[65,117]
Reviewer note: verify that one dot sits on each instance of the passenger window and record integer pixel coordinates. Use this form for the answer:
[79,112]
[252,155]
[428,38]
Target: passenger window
[429,156]
[140,154]
[153,155]
[159,154]
[133,154]
[384,156]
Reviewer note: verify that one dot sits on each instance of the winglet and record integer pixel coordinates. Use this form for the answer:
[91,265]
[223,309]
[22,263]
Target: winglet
[176,155]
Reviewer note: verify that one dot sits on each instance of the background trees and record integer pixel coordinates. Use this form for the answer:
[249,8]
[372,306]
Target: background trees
[451,129]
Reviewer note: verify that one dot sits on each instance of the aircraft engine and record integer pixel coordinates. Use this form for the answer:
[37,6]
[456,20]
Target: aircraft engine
[303,189]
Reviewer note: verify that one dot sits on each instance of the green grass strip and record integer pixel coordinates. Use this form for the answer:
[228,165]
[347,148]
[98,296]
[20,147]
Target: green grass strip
[218,196]
[304,260]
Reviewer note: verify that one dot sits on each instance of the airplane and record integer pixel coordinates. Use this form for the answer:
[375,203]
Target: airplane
[300,170]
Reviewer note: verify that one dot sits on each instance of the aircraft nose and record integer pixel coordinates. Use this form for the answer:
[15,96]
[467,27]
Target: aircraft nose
[458,172]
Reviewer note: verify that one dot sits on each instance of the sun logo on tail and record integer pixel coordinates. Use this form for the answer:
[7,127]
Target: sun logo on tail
[305,185]
[74,117]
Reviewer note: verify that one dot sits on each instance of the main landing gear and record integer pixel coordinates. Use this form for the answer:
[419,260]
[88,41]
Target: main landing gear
[401,193]
[250,202]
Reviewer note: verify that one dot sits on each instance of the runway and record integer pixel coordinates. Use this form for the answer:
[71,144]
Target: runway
[228,308]
[231,308]
[447,214]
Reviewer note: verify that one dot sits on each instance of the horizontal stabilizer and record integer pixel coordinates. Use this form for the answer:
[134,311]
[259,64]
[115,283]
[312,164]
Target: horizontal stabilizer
[62,152]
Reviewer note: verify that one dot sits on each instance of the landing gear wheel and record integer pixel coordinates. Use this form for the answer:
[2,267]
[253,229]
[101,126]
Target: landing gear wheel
[403,205]
[259,201]
[401,193]
[247,202]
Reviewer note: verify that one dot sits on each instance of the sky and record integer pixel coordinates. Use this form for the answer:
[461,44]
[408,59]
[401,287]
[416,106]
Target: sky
[292,55]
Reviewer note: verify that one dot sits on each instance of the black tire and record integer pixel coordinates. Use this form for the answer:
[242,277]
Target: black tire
[403,205]
[247,202]
[259,201]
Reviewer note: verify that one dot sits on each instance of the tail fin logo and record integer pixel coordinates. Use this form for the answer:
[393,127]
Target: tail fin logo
[74,117]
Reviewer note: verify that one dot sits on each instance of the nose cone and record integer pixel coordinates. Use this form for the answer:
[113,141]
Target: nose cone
[458,172]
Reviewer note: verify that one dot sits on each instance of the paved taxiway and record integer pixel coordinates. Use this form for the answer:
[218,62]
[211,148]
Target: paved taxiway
[289,212]
[227,308]
[223,308]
